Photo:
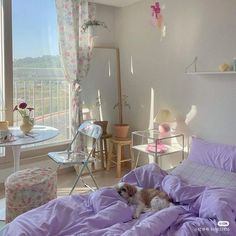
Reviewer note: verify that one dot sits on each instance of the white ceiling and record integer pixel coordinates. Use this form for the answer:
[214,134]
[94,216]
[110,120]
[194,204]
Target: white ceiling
[116,3]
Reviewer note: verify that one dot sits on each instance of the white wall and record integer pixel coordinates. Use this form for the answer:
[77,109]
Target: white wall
[203,28]
[107,15]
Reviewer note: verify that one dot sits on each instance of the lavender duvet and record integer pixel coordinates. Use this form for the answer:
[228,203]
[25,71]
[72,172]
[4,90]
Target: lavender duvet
[199,210]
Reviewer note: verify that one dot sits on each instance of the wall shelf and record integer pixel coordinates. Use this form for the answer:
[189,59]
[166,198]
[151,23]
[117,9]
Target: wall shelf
[205,73]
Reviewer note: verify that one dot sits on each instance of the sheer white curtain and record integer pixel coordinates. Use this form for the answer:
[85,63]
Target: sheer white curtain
[75,48]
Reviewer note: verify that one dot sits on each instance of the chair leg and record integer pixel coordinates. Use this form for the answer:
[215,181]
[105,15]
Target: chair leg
[86,185]
[101,153]
[94,155]
[78,177]
[92,176]
[105,150]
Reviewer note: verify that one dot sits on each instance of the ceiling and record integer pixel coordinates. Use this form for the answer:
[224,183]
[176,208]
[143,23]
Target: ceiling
[116,3]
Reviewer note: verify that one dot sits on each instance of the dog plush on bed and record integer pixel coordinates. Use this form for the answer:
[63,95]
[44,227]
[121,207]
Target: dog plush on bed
[144,199]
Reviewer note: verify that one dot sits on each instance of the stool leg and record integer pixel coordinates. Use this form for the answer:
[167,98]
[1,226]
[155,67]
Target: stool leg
[118,163]
[109,156]
[101,153]
[105,150]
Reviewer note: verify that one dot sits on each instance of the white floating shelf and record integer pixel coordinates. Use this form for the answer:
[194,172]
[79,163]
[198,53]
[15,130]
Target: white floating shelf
[204,73]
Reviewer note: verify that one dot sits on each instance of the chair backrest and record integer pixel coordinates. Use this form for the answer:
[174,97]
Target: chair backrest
[89,129]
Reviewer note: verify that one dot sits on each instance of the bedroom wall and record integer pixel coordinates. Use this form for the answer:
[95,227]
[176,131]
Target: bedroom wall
[106,37]
[203,28]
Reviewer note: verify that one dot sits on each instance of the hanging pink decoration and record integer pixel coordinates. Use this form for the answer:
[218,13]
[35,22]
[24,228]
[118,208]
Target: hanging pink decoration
[156,10]
[157,16]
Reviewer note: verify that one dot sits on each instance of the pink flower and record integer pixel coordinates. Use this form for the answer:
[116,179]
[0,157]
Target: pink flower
[23,109]
[23,105]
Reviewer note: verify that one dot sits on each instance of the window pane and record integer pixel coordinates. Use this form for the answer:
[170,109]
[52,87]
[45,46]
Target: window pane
[37,73]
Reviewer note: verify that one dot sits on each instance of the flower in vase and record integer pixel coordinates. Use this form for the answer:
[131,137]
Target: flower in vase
[24,110]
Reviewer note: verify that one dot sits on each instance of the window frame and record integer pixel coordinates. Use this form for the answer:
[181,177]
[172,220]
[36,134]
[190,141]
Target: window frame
[34,153]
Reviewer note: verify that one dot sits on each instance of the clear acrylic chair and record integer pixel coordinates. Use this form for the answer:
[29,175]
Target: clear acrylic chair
[86,139]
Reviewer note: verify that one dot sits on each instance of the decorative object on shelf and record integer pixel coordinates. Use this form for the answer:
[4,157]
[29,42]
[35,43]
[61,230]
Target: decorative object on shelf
[159,148]
[194,62]
[157,18]
[27,120]
[224,67]
[163,118]
[121,130]
[92,25]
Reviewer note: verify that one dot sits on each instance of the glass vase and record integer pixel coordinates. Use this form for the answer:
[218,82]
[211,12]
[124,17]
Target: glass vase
[27,124]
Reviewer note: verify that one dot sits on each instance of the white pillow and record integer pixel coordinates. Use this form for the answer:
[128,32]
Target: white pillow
[202,175]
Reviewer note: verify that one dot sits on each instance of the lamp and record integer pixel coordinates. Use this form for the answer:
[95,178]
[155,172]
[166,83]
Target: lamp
[164,117]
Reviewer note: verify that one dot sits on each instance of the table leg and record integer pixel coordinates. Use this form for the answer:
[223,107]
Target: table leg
[16,154]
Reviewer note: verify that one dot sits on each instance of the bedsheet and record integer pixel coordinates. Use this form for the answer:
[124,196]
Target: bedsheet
[198,211]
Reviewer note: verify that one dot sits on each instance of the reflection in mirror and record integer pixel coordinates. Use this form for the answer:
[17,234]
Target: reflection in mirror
[100,89]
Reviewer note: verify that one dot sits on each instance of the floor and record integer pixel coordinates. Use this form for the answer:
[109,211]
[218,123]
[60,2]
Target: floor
[66,181]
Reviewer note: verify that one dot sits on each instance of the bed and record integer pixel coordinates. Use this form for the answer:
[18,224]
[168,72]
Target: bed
[203,188]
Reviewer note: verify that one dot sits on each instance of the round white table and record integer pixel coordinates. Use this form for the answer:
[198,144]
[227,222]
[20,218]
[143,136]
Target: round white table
[39,133]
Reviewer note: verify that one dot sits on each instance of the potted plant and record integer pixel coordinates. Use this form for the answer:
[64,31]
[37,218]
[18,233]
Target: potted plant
[121,130]
[91,25]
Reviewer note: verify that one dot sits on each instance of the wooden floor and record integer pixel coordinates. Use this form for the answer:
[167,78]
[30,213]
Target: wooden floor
[103,178]
[66,180]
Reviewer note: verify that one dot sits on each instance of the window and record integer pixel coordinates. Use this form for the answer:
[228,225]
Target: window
[37,73]
[28,30]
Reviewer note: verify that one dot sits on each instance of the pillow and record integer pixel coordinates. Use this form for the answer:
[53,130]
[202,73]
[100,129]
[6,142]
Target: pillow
[220,156]
[203,175]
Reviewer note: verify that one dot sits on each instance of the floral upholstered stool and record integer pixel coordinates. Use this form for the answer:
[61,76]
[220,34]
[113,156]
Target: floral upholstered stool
[28,189]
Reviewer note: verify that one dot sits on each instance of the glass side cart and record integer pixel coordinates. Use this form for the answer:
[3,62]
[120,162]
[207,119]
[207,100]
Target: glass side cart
[152,142]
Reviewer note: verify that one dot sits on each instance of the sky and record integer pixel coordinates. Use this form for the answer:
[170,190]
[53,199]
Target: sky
[34,26]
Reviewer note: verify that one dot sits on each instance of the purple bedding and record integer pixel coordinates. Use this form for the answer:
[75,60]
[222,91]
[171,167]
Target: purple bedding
[104,212]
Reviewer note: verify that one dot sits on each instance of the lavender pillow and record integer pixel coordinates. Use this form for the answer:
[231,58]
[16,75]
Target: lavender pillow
[220,156]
